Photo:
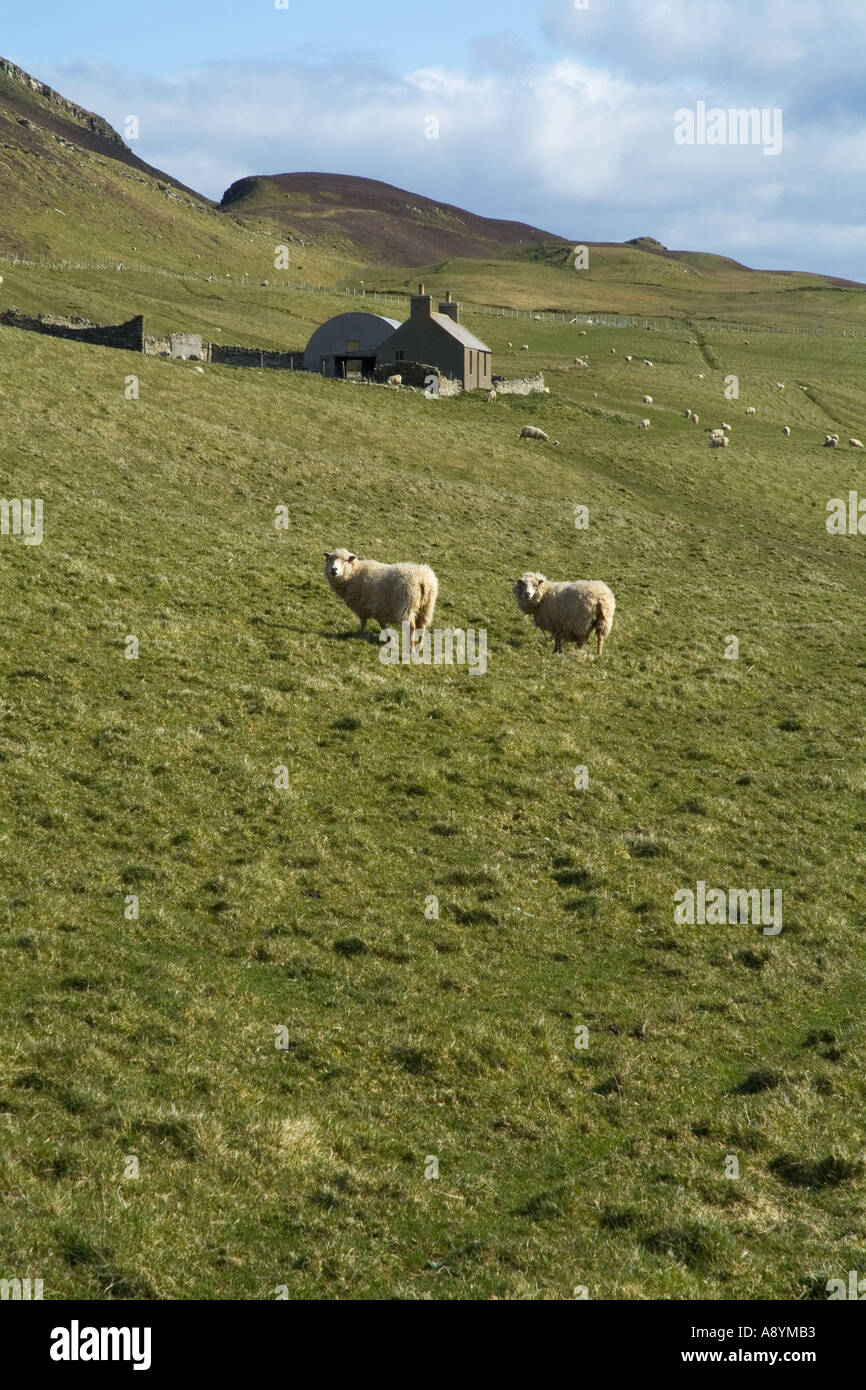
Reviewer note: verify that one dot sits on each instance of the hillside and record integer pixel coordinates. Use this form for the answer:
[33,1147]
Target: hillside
[374,220]
[303,908]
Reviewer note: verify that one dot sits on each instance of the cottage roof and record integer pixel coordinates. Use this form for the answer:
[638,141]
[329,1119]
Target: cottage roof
[458,331]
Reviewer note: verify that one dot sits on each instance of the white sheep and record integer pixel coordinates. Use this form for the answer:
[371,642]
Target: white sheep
[646,400]
[613,352]
[570,612]
[780,385]
[491,395]
[389,594]
[582,333]
[855,443]
[688,412]
[700,376]
[647,363]
[644,424]
[786,429]
[509,344]
[628,357]
[695,419]
[533,432]
[726,428]
[831,441]
[524,347]
[750,410]
[394,381]
[718,441]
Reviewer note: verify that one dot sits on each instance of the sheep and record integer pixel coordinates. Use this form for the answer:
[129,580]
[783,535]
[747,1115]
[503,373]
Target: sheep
[570,612]
[831,441]
[613,352]
[533,432]
[491,396]
[580,362]
[695,419]
[700,376]
[628,357]
[524,347]
[780,385]
[750,410]
[582,333]
[394,381]
[646,400]
[644,424]
[717,433]
[389,594]
[509,344]
[718,441]
[647,363]
[855,444]
[786,429]
[688,413]
[726,428]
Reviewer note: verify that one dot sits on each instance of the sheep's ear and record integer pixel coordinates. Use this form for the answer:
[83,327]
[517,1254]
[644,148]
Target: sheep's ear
[327,554]
[352,558]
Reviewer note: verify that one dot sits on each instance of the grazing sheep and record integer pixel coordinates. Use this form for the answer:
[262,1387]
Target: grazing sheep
[786,429]
[491,396]
[831,441]
[700,376]
[580,362]
[718,441]
[688,413]
[509,345]
[570,612]
[643,424]
[524,347]
[613,352]
[750,410]
[389,594]
[855,443]
[726,428]
[746,341]
[780,385]
[695,419]
[628,357]
[647,363]
[394,381]
[646,400]
[582,333]
[533,432]
[717,432]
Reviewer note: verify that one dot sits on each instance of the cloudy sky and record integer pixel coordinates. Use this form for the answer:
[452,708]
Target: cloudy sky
[548,113]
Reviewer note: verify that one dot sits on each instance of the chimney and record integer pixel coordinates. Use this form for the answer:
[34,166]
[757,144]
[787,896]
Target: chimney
[449,308]
[419,305]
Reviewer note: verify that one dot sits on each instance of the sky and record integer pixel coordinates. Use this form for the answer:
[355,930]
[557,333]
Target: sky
[582,117]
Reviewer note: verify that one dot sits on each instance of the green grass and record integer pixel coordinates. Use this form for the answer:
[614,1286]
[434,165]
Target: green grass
[305,908]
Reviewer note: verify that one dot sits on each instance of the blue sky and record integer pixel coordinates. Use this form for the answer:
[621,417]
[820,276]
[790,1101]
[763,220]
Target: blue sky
[553,114]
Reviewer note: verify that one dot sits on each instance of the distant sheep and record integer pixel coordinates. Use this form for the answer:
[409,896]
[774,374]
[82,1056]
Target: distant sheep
[786,429]
[389,594]
[533,432]
[695,419]
[688,413]
[509,344]
[524,347]
[613,352]
[718,441]
[628,357]
[831,441]
[644,424]
[780,385]
[646,400]
[491,396]
[570,612]
[855,443]
[700,376]
[750,410]
[394,381]
[647,363]
[726,428]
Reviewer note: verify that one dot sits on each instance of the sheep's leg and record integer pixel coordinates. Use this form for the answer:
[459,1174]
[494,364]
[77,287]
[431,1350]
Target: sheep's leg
[557,644]
[364,627]
[600,640]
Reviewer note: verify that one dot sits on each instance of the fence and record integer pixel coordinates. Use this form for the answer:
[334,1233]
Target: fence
[481,310]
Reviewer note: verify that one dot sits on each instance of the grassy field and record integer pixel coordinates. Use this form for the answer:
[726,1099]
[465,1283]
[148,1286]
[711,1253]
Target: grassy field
[408,1036]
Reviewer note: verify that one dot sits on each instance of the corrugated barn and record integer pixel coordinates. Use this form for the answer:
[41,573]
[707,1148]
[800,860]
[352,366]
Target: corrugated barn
[346,345]
[439,340]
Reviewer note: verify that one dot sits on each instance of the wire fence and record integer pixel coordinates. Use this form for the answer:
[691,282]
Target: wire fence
[395,298]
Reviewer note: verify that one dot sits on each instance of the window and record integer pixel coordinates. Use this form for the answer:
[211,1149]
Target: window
[400,355]
[353,345]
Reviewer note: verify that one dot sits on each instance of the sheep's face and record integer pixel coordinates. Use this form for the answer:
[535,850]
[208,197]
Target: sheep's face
[339,564]
[529,591]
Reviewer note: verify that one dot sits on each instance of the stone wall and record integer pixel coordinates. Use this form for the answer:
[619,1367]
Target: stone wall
[519,386]
[221,354]
[129,335]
